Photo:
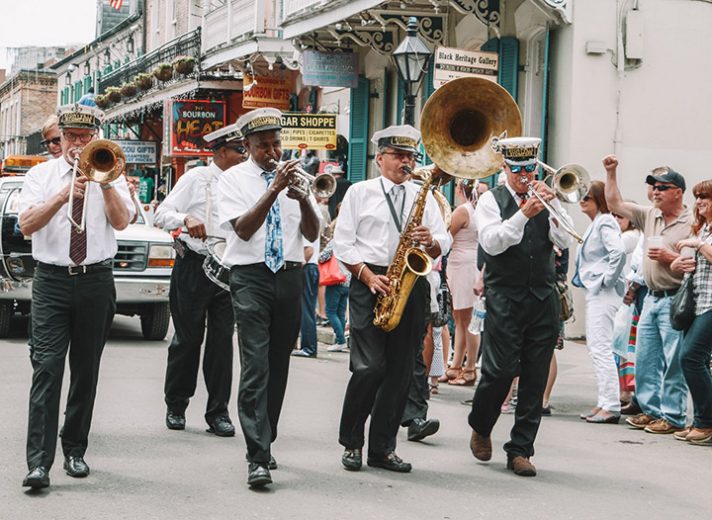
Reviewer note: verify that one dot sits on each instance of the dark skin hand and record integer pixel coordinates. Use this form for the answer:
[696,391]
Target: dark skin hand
[629,296]
[195,227]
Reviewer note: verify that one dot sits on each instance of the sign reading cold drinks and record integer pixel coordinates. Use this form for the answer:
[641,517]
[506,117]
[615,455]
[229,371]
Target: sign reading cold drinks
[308,131]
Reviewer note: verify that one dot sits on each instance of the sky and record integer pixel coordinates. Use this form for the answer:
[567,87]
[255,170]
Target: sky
[45,23]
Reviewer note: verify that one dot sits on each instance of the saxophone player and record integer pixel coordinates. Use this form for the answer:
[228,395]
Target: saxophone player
[366,238]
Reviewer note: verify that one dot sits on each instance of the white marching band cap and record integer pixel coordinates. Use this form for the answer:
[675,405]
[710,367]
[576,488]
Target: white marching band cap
[400,137]
[520,151]
[223,135]
[79,116]
[260,120]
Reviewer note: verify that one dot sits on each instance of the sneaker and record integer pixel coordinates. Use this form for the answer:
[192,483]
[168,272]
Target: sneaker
[302,353]
[337,347]
[661,426]
[682,434]
[700,436]
[640,421]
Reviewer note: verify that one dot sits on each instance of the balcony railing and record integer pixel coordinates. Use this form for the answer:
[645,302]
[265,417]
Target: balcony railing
[294,6]
[237,21]
[187,44]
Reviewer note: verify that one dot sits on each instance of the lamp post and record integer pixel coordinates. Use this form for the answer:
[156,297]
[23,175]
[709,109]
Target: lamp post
[411,58]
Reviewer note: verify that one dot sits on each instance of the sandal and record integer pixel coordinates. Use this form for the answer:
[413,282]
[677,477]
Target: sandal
[434,389]
[467,377]
[451,373]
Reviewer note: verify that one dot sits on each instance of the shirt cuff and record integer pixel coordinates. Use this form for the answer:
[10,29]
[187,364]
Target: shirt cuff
[519,220]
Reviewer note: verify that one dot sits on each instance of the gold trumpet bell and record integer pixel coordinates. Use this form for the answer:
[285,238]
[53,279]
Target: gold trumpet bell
[461,122]
[102,161]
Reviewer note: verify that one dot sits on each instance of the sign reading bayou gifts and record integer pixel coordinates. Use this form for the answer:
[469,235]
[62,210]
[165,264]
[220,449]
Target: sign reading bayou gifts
[453,63]
[138,152]
[312,131]
[188,121]
[267,91]
[330,69]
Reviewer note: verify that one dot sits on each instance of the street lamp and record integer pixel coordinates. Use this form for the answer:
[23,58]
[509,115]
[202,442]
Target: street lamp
[411,59]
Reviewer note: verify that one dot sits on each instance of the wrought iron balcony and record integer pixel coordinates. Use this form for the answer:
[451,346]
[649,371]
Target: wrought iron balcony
[187,44]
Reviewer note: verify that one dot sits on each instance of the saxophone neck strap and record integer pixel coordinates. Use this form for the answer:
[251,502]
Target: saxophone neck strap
[396,219]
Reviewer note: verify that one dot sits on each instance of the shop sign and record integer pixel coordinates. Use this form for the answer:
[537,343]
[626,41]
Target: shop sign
[330,69]
[453,63]
[267,91]
[188,121]
[138,152]
[308,131]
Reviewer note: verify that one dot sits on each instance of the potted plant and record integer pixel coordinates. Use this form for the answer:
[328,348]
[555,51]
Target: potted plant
[163,71]
[128,90]
[102,101]
[143,81]
[184,64]
[114,94]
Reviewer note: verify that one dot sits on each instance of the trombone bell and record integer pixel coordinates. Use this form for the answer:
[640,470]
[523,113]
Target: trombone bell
[571,183]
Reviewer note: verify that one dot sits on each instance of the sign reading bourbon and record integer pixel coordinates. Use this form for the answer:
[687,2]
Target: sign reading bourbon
[267,91]
[189,120]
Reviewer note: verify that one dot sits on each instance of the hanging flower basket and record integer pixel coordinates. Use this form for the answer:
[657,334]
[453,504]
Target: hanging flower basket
[184,64]
[143,81]
[102,101]
[114,94]
[163,72]
[128,90]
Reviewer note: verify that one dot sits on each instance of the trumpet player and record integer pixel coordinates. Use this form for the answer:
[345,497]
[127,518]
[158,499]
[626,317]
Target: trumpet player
[73,294]
[267,214]
[367,235]
[517,236]
[196,303]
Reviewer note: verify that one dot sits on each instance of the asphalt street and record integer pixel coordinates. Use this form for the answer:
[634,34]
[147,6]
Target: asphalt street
[142,470]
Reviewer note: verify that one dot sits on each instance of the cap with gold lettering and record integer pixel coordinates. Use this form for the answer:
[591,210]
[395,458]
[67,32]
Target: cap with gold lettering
[260,120]
[222,136]
[399,137]
[79,116]
[520,151]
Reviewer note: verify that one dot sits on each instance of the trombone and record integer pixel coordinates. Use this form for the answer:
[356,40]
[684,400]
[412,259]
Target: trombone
[323,185]
[100,161]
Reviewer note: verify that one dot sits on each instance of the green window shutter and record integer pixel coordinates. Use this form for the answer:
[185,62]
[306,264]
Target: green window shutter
[545,100]
[386,98]
[117,64]
[358,143]
[108,69]
[88,83]
[509,65]
[428,90]
[400,97]
[77,91]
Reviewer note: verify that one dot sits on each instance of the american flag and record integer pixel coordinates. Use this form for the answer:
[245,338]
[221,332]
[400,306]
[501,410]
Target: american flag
[116,4]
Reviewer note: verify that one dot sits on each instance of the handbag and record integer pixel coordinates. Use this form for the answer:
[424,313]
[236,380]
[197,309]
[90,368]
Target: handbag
[567,300]
[329,272]
[682,307]
[441,317]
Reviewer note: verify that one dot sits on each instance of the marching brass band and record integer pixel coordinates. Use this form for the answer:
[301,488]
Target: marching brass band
[244,220]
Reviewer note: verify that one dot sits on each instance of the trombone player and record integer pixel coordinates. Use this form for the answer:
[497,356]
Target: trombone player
[73,294]
[517,236]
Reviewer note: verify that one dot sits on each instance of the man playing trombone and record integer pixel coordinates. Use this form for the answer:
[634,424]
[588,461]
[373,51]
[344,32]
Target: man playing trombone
[517,236]
[196,302]
[73,293]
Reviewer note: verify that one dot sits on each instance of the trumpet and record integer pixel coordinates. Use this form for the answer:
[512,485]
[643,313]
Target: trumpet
[323,185]
[100,161]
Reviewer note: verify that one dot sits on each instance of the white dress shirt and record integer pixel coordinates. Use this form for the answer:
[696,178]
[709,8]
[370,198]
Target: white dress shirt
[50,244]
[498,235]
[239,189]
[190,197]
[314,258]
[365,231]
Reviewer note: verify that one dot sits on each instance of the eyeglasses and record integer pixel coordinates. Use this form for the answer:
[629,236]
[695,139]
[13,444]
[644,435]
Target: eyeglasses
[586,198]
[401,155]
[662,187]
[529,168]
[616,215]
[84,138]
[238,149]
[55,141]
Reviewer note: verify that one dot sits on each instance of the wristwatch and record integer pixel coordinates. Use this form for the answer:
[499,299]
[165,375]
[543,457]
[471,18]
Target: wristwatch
[106,186]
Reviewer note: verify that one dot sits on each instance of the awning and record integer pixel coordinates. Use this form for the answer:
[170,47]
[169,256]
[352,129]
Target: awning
[323,18]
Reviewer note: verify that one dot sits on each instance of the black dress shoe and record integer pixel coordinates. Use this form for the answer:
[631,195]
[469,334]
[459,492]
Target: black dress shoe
[272,464]
[221,426]
[258,475]
[76,467]
[631,408]
[175,421]
[38,478]
[352,460]
[419,429]
[389,461]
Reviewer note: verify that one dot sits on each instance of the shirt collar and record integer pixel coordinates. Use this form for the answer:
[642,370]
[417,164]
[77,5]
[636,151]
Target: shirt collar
[682,217]
[64,166]
[511,190]
[388,184]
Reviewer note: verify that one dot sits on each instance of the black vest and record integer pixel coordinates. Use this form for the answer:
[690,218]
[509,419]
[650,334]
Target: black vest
[527,266]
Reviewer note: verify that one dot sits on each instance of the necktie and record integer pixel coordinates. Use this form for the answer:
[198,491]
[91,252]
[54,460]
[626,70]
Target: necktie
[77,239]
[274,255]
[397,194]
[523,198]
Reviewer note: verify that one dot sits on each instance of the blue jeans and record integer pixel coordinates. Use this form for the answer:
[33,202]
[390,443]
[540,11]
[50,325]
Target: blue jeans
[336,298]
[308,327]
[696,350]
[660,385]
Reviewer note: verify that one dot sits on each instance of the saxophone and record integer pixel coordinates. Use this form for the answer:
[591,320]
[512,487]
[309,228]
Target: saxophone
[408,264]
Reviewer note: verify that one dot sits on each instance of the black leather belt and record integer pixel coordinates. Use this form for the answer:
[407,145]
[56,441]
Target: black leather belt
[286,266]
[73,270]
[663,294]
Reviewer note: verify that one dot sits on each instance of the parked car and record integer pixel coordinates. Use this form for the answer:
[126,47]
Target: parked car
[142,268]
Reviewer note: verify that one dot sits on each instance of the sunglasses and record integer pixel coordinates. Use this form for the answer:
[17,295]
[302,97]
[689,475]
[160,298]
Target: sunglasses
[663,187]
[55,141]
[586,198]
[616,215]
[529,168]
[238,149]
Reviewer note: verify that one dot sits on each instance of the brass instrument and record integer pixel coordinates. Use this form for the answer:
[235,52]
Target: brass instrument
[323,185]
[100,161]
[443,203]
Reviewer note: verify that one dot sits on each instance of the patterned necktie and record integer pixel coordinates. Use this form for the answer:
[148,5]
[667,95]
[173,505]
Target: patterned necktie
[77,239]
[274,254]
[523,197]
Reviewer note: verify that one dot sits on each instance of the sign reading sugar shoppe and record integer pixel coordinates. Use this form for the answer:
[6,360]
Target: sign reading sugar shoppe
[308,131]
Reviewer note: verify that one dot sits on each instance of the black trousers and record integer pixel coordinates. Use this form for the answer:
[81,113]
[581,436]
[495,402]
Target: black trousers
[381,367]
[268,313]
[196,301]
[416,407]
[518,340]
[69,314]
